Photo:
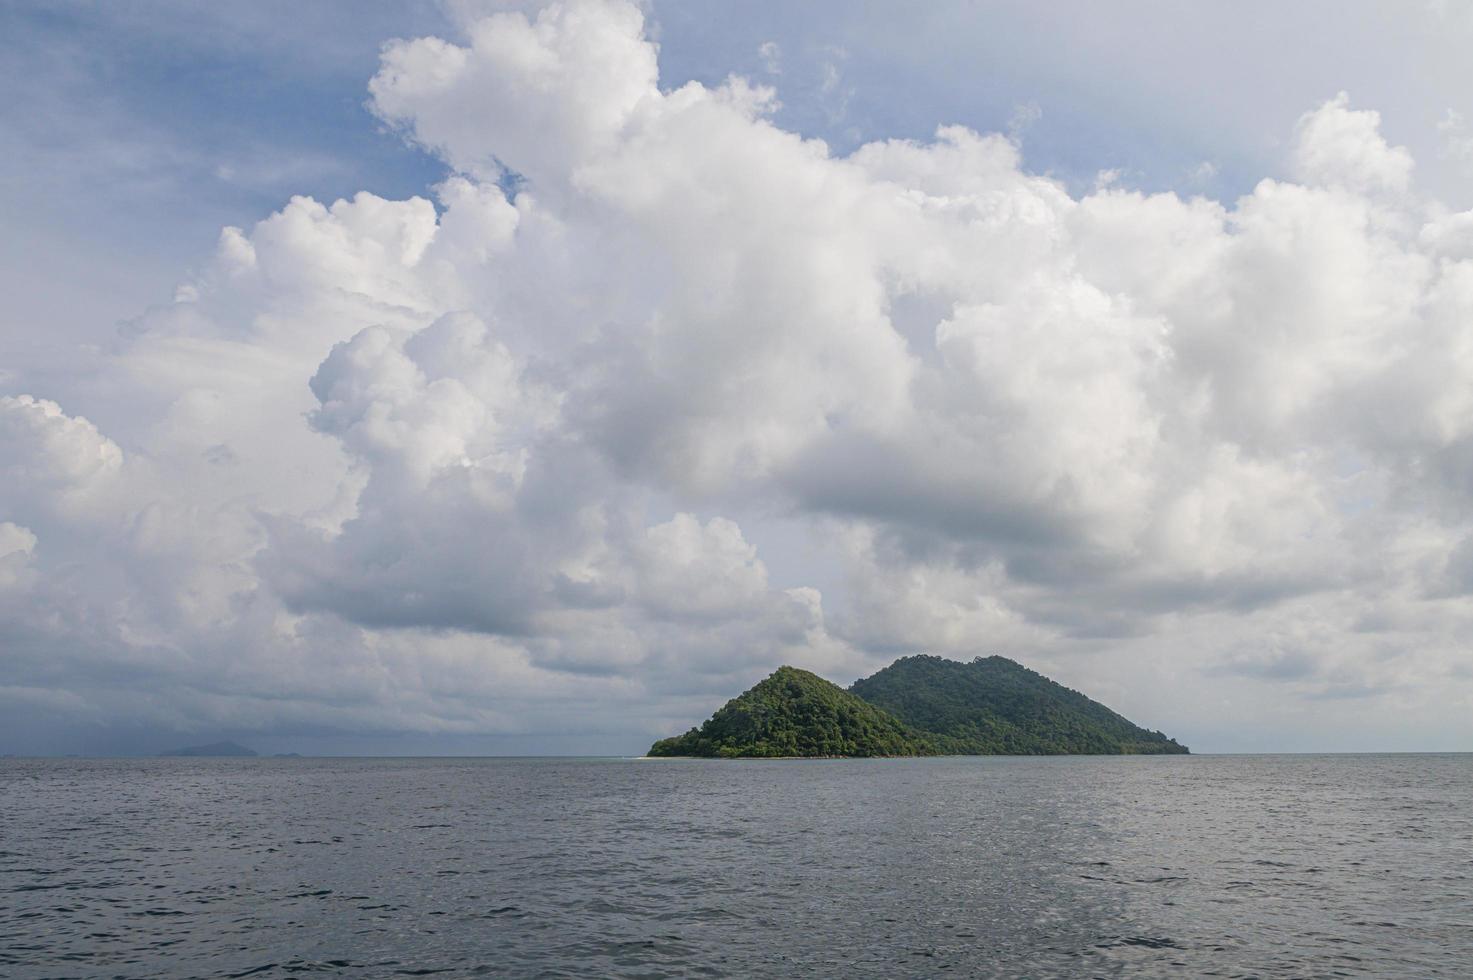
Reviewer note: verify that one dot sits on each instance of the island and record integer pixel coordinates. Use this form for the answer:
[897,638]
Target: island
[919,705]
[794,713]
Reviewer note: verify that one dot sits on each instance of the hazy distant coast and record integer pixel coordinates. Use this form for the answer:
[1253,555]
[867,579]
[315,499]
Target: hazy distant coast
[213,750]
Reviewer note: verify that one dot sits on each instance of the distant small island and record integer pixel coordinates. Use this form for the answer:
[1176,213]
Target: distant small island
[919,705]
[214,749]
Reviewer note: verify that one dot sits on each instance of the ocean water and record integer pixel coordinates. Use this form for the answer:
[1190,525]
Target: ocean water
[1227,866]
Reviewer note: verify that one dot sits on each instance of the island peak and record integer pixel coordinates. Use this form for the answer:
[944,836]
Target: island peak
[796,713]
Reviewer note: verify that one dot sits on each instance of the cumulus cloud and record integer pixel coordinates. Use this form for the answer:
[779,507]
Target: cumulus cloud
[536,95]
[1343,147]
[499,460]
[53,462]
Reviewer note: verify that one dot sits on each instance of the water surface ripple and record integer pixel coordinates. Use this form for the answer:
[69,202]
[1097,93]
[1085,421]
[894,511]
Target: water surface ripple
[1227,866]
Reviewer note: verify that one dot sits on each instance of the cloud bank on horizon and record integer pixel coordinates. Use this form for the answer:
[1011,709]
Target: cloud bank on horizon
[532,455]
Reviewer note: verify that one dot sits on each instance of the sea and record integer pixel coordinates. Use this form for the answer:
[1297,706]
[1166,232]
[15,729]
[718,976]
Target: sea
[1147,866]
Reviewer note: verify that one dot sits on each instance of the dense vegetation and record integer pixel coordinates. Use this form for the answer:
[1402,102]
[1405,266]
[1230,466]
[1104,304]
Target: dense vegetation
[918,705]
[796,713]
[993,706]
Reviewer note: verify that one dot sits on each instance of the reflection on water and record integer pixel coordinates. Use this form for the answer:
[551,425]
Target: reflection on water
[1152,866]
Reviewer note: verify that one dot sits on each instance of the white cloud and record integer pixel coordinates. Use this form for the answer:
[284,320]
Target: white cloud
[687,569]
[555,90]
[51,462]
[436,465]
[1343,147]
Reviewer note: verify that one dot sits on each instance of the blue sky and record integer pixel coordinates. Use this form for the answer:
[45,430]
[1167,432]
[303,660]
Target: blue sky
[1212,436]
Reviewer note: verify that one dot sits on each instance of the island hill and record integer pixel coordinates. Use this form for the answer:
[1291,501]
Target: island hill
[919,705]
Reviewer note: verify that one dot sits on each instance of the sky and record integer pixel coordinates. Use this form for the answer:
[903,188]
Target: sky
[530,379]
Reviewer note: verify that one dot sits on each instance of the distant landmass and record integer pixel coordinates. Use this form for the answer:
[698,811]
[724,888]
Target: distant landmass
[920,705]
[213,749]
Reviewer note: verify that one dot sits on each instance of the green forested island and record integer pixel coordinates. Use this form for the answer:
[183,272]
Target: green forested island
[920,705]
[797,713]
